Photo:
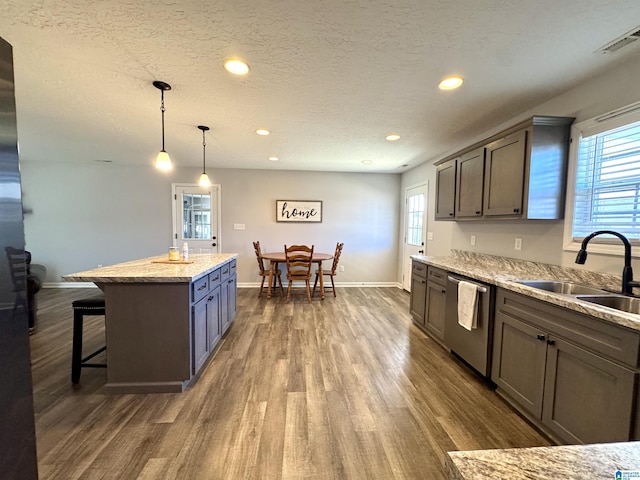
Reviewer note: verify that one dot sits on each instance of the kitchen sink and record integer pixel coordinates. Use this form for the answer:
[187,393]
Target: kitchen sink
[564,287]
[618,302]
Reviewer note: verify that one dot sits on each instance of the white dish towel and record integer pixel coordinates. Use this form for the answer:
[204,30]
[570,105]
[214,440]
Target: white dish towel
[468,305]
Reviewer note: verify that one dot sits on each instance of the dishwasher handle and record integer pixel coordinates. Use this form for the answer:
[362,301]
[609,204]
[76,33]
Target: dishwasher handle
[481,289]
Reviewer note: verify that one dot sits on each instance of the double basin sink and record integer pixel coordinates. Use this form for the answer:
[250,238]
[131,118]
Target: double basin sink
[587,293]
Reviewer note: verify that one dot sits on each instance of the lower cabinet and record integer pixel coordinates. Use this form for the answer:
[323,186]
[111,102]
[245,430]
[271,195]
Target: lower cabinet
[428,296]
[435,302]
[213,311]
[418,291]
[573,376]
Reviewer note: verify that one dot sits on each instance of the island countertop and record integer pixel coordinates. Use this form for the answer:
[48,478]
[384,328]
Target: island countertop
[146,271]
[593,462]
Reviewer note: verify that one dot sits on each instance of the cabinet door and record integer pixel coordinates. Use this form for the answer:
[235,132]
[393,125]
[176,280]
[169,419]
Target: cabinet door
[504,175]
[587,399]
[214,328]
[199,341]
[469,184]
[224,306]
[519,355]
[233,296]
[418,297]
[435,308]
[446,189]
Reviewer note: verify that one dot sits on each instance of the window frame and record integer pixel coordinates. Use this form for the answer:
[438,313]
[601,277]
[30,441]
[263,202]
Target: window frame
[602,123]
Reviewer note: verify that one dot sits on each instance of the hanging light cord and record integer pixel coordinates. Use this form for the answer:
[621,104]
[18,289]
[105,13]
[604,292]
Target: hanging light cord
[204,146]
[162,110]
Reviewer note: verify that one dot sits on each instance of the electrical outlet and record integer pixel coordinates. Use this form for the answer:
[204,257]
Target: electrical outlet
[429,235]
[473,239]
[342,268]
[518,244]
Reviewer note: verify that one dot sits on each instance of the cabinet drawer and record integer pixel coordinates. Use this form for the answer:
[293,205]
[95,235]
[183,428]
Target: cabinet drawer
[214,278]
[225,271]
[419,269]
[437,275]
[597,335]
[199,288]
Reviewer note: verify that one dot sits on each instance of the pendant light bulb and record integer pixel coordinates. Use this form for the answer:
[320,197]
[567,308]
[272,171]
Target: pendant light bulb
[163,161]
[204,178]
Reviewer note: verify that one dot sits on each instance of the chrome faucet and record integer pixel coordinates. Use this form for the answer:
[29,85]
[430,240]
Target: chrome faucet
[627,272]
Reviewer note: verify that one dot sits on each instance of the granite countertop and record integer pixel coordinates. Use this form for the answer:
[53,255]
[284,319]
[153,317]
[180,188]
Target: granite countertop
[503,272]
[579,462]
[144,271]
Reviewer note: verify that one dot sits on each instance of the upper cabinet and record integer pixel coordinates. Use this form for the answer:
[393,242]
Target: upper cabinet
[469,184]
[519,173]
[446,189]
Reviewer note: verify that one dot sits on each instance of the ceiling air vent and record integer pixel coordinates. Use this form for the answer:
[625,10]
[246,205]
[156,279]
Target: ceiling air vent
[628,38]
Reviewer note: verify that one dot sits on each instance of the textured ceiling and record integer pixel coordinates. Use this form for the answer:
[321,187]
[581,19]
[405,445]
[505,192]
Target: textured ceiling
[329,78]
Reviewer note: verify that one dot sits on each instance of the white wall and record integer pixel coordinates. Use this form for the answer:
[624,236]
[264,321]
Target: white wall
[90,214]
[542,241]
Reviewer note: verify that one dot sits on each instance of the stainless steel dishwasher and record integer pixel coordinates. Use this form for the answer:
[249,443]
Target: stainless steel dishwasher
[474,347]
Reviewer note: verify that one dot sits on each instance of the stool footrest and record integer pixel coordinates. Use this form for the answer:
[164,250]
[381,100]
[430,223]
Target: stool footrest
[84,363]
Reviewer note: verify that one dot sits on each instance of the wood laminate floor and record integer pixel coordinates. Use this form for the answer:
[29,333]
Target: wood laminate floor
[345,388]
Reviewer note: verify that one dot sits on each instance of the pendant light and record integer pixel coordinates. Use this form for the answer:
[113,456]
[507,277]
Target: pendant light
[163,161]
[204,178]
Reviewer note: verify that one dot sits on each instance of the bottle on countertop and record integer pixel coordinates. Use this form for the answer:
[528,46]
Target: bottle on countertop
[185,251]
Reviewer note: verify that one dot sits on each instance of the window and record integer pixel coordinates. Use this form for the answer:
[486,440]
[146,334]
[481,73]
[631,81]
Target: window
[607,178]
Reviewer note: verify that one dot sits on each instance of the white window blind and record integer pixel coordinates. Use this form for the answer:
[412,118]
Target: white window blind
[607,195]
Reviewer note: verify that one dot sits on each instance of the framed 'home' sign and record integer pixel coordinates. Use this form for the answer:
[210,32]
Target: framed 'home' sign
[299,211]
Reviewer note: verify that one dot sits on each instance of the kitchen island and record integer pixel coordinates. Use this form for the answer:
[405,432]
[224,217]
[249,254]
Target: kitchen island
[593,462]
[163,320]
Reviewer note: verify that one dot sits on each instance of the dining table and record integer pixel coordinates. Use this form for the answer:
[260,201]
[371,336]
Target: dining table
[279,257]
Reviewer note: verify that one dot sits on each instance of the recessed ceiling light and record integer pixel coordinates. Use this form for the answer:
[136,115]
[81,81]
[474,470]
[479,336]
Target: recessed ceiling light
[274,159]
[236,66]
[450,83]
[392,137]
[262,131]
[367,162]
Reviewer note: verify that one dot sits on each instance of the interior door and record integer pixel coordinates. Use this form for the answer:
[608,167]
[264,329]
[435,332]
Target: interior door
[415,226]
[196,212]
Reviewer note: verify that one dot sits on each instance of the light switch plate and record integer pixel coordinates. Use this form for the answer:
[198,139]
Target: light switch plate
[518,244]
[473,239]
[238,226]
[429,235]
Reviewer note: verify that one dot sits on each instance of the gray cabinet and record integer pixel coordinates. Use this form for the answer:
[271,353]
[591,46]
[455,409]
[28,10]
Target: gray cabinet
[469,184]
[213,309]
[436,295]
[572,375]
[522,174]
[504,175]
[418,291]
[446,190]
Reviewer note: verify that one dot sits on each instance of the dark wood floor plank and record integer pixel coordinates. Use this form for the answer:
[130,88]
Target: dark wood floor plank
[342,388]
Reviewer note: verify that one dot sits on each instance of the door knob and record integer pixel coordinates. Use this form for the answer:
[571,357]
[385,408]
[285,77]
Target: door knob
[420,251]
[214,244]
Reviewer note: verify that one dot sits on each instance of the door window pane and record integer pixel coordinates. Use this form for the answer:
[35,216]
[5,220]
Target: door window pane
[196,214]
[415,214]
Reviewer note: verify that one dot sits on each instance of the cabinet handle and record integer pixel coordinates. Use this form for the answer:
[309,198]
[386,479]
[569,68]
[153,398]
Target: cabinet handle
[423,281]
[516,210]
[443,291]
[202,287]
[541,337]
[551,342]
[478,213]
[451,214]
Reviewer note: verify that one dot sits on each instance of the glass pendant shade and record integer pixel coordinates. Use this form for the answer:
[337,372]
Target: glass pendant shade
[204,180]
[163,161]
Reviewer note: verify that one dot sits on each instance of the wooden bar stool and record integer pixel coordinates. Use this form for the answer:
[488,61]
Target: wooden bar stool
[90,306]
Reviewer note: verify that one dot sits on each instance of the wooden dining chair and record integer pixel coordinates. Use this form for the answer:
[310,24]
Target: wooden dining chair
[331,273]
[299,263]
[264,273]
